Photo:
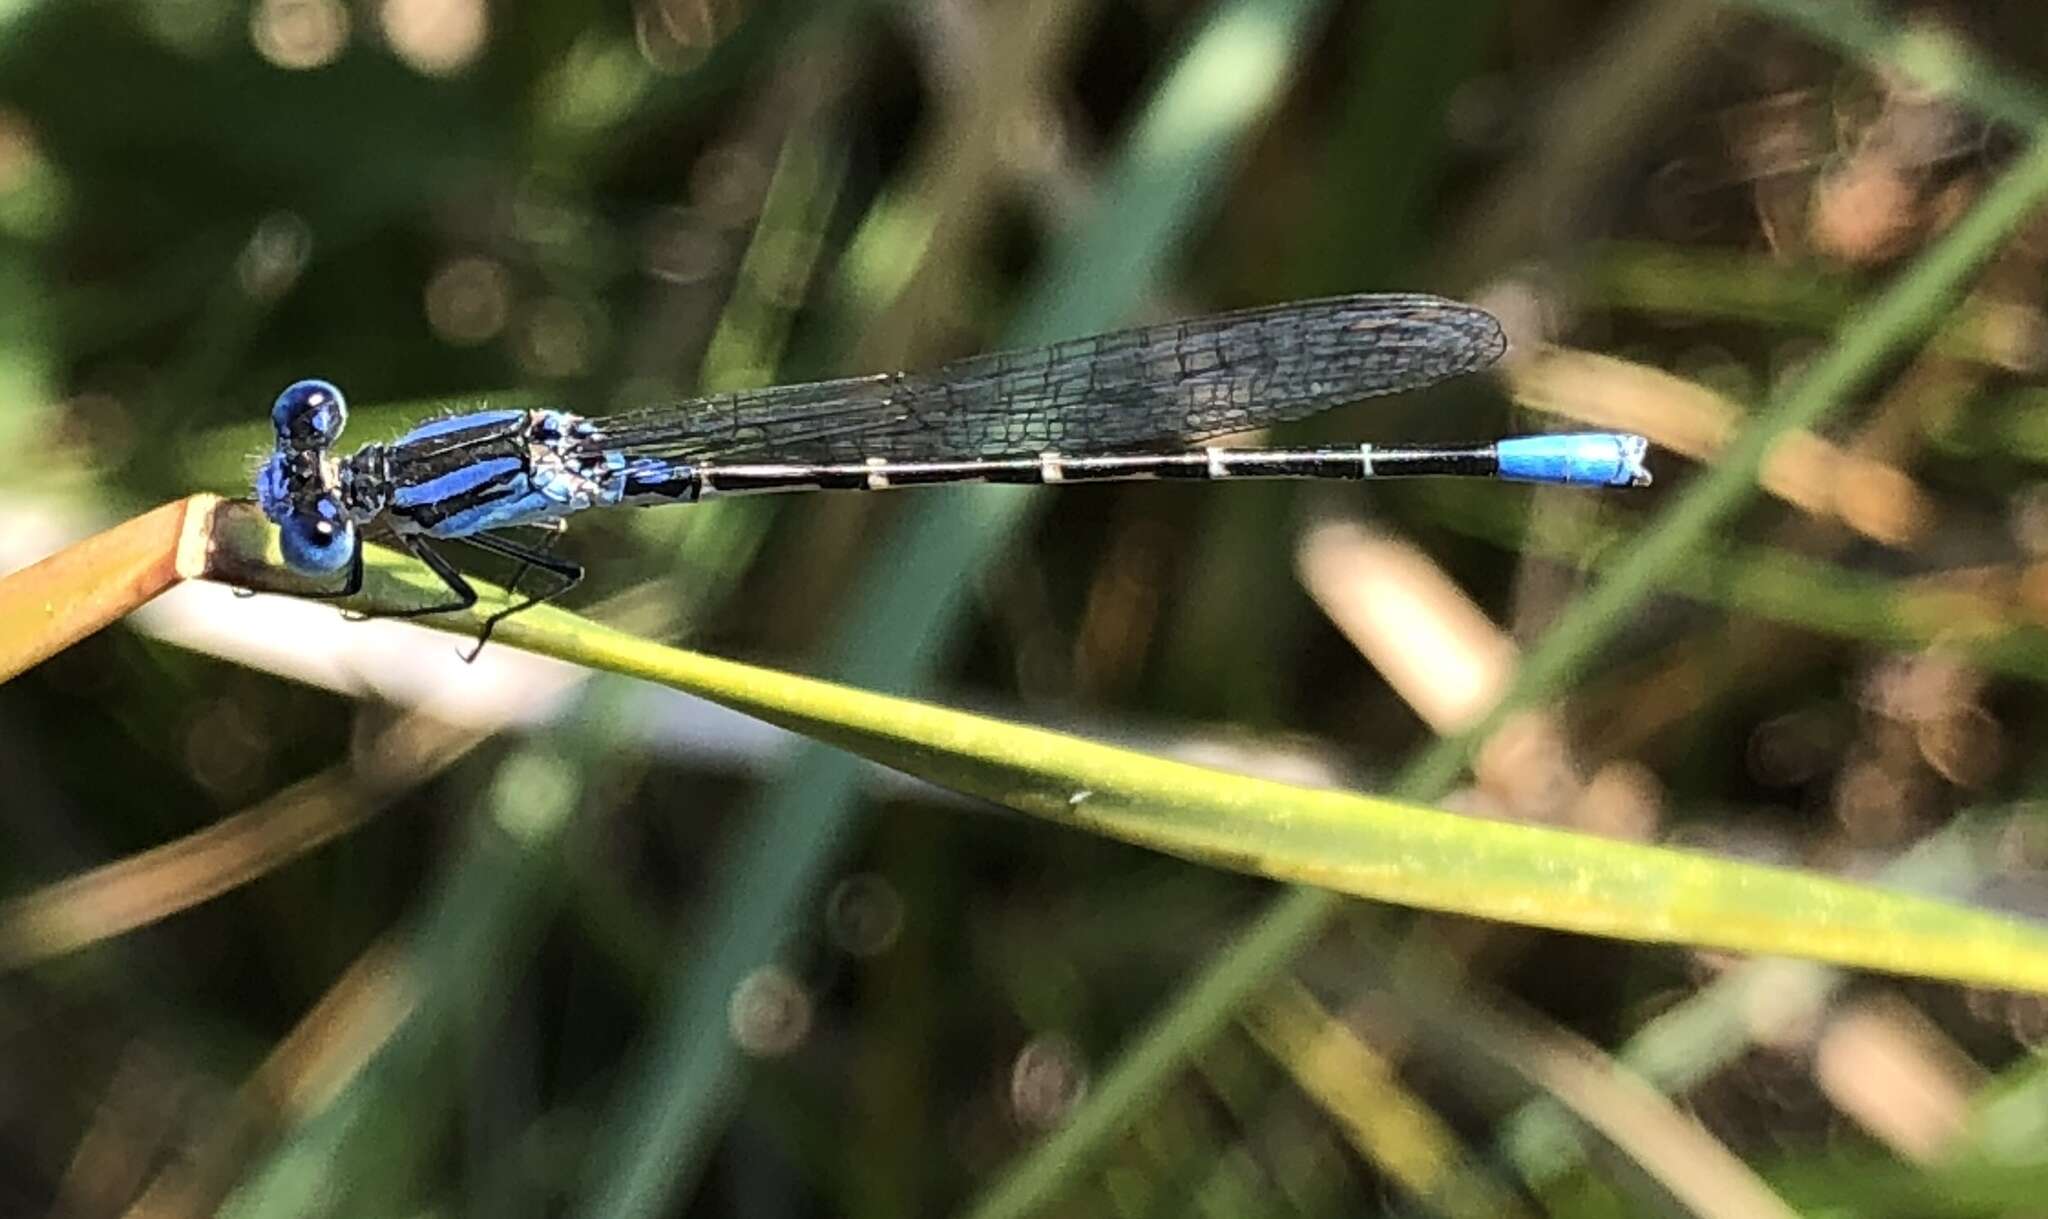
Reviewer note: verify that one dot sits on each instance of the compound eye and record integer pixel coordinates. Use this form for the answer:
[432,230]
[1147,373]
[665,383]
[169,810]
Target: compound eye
[309,414]
[318,538]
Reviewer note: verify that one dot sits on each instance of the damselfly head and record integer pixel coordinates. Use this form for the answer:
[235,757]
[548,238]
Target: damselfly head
[296,485]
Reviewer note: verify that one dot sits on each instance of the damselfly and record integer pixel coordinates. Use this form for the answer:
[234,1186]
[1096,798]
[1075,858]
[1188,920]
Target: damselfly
[1117,406]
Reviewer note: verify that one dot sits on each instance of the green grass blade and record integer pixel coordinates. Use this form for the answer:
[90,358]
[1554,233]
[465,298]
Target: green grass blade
[1680,1048]
[1367,847]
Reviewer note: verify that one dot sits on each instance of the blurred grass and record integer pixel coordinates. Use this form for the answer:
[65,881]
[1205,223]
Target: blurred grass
[804,190]
[1975,615]
[666,1119]
[1902,312]
[348,1157]
[1364,1094]
[1700,286]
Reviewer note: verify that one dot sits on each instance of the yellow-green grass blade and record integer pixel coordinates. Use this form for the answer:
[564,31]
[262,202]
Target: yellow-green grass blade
[1358,845]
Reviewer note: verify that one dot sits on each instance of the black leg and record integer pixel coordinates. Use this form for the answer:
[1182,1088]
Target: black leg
[464,595]
[568,575]
[554,531]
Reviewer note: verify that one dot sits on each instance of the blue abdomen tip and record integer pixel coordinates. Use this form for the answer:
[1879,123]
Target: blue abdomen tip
[1576,459]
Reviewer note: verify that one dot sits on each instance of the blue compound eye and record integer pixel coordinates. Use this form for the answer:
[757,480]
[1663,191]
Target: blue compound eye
[318,539]
[309,414]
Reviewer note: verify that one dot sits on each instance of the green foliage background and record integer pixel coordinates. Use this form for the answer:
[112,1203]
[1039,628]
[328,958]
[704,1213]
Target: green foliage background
[607,967]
